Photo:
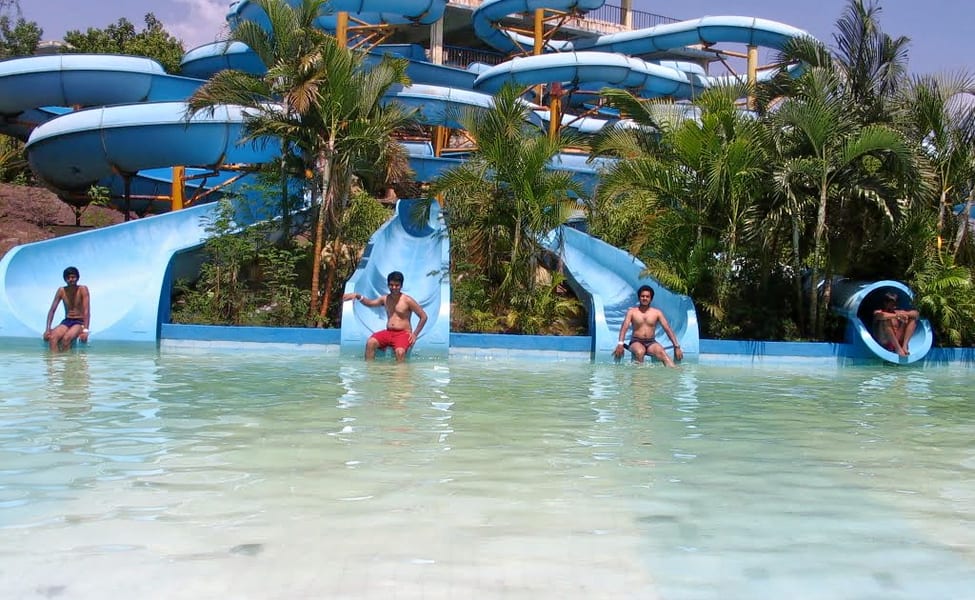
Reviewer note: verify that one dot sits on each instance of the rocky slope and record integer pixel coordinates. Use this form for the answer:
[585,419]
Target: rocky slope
[30,214]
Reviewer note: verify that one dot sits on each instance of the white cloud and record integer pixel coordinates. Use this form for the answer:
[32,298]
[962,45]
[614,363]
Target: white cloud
[200,22]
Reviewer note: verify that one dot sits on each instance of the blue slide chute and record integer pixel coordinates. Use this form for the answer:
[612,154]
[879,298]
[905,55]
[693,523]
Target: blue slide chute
[81,148]
[126,266]
[375,12]
[856,301]
[607,279]
[415,244]
[87,80]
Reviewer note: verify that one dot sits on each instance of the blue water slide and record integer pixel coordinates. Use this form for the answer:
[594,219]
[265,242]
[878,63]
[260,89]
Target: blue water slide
[393,12]
[203,61]
[856,301]
[21,124]
[706,30]
[79,149]
[419,248]
[128,268]
[80,80]
[610,60]
[612,70]
[425,165]
[607,279]
[208,59]
[487,17]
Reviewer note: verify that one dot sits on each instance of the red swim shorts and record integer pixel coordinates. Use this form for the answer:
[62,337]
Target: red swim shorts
[397,338]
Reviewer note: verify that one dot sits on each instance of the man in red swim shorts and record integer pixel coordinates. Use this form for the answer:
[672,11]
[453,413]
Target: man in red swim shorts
[400,308]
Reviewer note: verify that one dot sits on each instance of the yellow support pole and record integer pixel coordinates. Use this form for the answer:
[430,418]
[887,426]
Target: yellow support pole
[179,184]
[555,110]
[539,31]
[752,75]
[439,139]
[342,28]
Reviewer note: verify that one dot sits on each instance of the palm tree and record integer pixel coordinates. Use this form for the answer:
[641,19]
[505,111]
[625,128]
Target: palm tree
[504,198]
[823,149]
[318,98]
[706,168]
[937,113]
[869,64]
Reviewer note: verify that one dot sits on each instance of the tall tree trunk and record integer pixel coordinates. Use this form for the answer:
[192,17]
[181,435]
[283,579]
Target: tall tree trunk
[316,265]
[815,323]
[963,222]
[333,265]
[285,200]
[797,269]
[324,166]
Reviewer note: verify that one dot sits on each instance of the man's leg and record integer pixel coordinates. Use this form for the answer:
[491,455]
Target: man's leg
[893,337]
[73,332]
[658,351]
[400,354]
[54,341]
[908,330]
[371,344]
[638,350]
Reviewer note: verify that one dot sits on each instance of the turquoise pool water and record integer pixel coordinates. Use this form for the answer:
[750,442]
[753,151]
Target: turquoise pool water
[189,474]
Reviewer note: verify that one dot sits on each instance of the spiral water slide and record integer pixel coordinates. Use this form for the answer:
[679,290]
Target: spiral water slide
[610,60]
[127,266]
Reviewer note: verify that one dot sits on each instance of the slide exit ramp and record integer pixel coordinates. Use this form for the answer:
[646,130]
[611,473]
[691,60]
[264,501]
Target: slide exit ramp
[420,249]
[607,278]
[857,300]
[127,268]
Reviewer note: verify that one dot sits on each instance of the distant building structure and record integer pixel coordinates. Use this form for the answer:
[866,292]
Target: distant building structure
[53,47]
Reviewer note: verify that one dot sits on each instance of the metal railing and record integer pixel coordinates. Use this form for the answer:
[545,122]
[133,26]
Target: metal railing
[461,57]
[610,13]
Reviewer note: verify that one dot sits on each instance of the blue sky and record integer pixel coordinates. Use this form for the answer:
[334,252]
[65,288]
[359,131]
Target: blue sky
[940,30]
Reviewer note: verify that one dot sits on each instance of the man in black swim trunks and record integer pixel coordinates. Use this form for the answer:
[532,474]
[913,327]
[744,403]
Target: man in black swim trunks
[643,318]
[77,313]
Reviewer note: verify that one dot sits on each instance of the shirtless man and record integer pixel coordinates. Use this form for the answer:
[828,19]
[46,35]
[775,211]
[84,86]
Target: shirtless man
[644,321]
[400,308]
[77,313]
[893,327]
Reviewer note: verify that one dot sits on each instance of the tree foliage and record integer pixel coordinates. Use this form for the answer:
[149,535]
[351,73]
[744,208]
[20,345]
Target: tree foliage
[18,37]
[121,37]
[324,105]
[500,202]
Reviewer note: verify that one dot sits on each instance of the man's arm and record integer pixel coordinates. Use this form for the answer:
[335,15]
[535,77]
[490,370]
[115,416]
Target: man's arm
[367,301]
[85,311]
[618,350]
[678,352]
[422,314]
[54,307]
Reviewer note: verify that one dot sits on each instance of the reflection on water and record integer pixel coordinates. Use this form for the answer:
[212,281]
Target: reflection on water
[204,474]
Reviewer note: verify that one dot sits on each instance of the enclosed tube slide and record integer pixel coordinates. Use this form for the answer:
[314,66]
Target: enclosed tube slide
[856,301]
[415,244]
[607,279]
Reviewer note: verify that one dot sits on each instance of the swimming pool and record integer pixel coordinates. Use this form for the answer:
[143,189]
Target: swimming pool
[246,474]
